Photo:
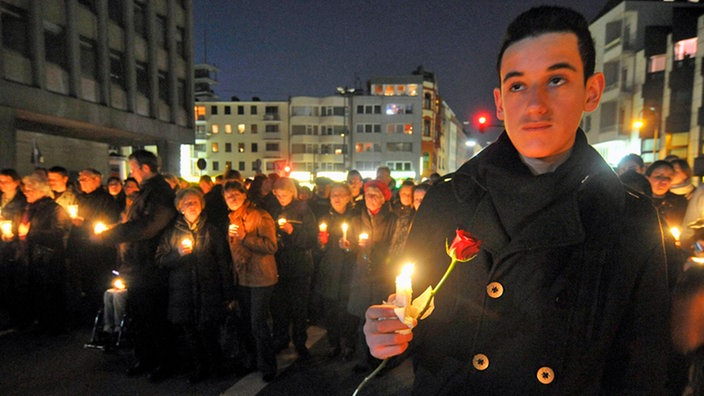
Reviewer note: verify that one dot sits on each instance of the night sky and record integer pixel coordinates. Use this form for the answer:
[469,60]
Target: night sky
[274,49]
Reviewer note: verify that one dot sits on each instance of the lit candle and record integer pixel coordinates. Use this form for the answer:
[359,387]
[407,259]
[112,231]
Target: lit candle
[99,227]
[6,226]
[282,221]
[323,227]
[676,233]
[233,228]
[344,231]
[363,237]
[73,211]
[404,290]
[119,284]
[187,243]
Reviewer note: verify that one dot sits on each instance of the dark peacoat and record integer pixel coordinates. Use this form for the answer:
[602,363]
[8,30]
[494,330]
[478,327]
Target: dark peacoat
[294,257]
[568,294]
[334,275]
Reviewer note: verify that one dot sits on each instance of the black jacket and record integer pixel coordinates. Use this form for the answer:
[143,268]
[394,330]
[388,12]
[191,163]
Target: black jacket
[570,286]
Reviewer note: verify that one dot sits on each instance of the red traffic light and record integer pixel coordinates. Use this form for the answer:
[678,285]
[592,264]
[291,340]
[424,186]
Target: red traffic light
[287,169]
[481,120]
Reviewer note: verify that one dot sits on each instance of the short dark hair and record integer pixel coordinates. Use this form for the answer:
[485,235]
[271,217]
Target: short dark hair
[683,164]
[552,19]
[657,165]
[234,185]
[144,157]
[60,170]
[11,173]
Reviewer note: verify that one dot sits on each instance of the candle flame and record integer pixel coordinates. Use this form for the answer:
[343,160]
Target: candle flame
[6,226]
[282,221]
[675,233]
[364,235]
[73,211]
[323,227]
[99,227]
[408,269]
[344,227]
[119,284]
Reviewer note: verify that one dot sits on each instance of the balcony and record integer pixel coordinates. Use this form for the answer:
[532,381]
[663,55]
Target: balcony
[271,117]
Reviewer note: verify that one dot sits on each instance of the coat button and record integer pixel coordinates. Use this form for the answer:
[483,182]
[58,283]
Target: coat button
[545,375]
[495,289]
[480,362]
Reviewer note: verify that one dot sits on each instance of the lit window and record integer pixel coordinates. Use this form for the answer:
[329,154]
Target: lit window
[377,89]
[400,89]
[388,90]
[199,112]
[657,63]
[228,128]
[215,147]
[408,129]
[685,49]
[214,129]
[240,147]
[412,89]
[241,128]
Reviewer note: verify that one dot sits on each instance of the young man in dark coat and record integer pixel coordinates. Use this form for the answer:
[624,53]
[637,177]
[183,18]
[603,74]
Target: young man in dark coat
[568,294]
[150,213]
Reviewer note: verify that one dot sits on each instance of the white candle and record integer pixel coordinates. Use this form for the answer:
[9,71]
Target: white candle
[404,290]
[363,237]
[6,226]
[187,243]
[282,221]
[323,227]
[99,227]
[344,231]
[73,211]
[233,228]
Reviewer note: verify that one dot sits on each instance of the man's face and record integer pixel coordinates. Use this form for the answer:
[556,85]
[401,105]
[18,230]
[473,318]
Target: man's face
[679,177]
[89,182]
[57,181]
[8,185]
[32,194]
[543,94]
[660,180]
[139,172]
[405,195]
[356,184]
[130,187]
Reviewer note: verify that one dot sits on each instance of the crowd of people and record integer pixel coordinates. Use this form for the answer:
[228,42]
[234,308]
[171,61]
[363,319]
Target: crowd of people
[264,253]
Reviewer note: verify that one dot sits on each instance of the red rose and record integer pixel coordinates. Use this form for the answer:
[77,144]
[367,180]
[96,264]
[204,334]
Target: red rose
[465,246]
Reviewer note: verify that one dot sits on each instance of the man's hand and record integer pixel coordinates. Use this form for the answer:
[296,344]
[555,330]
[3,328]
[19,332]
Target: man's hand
[380,331]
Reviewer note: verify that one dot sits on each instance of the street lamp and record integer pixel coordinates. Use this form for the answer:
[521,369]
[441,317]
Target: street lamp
[640,123]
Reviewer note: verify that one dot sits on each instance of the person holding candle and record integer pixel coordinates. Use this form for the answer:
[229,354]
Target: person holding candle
[371,234]
[42,233]
[91,264]
[332,280]
[12,203]
[151,212]
[252,240]
[201,284]
[297,236]
[64,193]
[568,294]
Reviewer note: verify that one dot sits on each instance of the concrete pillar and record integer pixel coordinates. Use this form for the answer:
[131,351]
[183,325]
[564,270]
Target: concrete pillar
[8,138]
[170,155]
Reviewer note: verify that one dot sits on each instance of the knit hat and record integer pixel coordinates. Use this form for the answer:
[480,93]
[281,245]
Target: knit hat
[379,185]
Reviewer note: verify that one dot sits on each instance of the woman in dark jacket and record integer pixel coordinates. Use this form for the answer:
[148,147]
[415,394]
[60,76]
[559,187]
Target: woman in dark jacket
[297,236]
[332,281]
[373,277]
[41,276]
[201,285]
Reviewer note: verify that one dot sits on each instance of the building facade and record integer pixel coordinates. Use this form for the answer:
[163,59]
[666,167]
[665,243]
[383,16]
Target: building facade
[94,77]
[651,55]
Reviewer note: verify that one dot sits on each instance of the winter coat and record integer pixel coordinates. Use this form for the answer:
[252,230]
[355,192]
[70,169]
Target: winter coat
[43,249]
[201,282]
[253,256]
[294,257]
[373,276]
[334,274]
[568,294]
[151,212]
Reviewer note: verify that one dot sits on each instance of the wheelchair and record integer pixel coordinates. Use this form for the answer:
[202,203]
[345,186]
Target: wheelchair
[111,321]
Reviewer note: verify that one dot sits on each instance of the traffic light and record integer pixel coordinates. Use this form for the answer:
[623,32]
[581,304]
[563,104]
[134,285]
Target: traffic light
[482,122]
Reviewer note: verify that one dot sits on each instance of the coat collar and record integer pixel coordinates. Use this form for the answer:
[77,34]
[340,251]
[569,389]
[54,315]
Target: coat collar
[511,209]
